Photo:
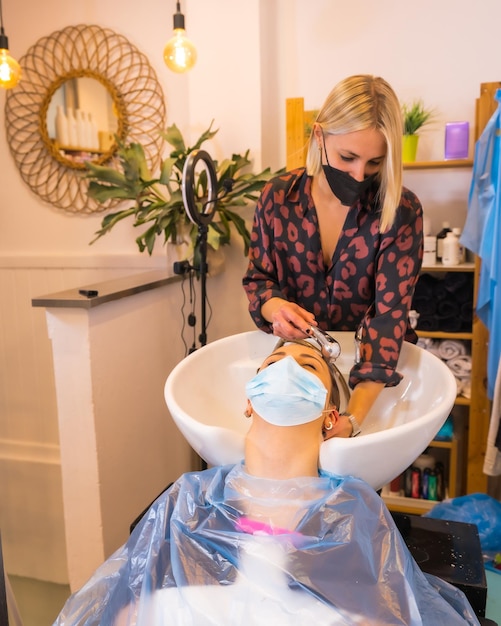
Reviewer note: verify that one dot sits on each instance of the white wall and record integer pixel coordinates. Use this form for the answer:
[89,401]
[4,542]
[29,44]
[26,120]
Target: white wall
[252,55]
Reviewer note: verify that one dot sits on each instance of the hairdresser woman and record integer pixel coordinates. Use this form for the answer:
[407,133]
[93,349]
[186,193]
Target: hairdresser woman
[338,244]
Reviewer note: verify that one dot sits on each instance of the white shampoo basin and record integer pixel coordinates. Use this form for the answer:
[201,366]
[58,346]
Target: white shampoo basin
[205,394]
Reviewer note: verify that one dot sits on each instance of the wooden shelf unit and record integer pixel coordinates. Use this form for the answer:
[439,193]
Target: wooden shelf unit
[298,126]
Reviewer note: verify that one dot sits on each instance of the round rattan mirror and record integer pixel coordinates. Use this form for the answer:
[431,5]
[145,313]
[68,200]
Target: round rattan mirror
[74,53]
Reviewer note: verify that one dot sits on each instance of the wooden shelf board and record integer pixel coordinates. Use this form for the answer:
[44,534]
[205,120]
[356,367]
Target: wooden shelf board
[440,334]
[440,267]
[429,165]
[414,506]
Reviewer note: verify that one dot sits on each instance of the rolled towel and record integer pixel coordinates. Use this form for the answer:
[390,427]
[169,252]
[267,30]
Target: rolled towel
[459,385]
[429,344]
[450,348]
[460,366]
[427,322]
[424,305]
[447,307]
[466,388]
[460,286]
[449,323]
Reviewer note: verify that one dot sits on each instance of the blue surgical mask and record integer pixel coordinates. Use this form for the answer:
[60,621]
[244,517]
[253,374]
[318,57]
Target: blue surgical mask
[285,394]
[343,186]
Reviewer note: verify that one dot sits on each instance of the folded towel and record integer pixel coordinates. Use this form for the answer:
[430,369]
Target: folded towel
[424,305]
[450,323]
[429,344]
[460,286]
[460,366]
[466,388]
[449,348]
[459,385]
[427,322]
[447,307]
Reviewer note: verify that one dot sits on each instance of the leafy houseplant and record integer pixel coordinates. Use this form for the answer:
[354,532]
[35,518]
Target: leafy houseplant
[157,202]
[415,116]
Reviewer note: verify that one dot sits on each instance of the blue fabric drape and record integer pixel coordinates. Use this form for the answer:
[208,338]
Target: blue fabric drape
[482,234]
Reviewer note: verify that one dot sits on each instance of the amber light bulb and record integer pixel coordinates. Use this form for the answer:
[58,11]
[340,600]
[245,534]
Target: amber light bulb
[10,70]
[180,54]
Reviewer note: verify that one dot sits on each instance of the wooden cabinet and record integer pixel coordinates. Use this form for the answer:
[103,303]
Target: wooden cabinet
[452,454]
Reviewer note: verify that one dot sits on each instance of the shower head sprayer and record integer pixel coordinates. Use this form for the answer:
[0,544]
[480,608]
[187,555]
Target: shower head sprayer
[328,345]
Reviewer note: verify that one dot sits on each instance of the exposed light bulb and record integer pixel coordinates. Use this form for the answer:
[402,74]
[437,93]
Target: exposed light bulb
[10,70]
[180,54]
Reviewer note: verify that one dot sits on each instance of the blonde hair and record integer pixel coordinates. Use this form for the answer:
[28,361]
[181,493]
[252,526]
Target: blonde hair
[358,103]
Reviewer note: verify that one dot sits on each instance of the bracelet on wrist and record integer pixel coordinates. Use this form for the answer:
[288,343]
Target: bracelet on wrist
[356,430]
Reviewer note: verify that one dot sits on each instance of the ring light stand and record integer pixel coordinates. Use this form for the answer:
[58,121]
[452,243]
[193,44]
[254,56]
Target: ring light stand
[201,218]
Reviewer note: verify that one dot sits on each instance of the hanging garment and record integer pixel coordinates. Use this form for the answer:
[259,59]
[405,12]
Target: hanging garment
[223,548]
[492,461]
[481,234]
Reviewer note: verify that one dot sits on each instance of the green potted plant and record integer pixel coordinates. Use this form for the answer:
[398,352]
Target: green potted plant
[415,116]
[156,203]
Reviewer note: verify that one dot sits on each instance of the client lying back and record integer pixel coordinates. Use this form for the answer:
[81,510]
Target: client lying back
[271,540]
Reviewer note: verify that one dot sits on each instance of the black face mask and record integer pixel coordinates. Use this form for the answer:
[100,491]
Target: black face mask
[343,186]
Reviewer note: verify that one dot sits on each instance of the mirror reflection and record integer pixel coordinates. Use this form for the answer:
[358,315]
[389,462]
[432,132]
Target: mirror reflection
[82,120]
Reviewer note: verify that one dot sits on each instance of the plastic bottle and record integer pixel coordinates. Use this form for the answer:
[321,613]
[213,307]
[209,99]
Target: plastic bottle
[446,228]
[462,249]
[425,483]
[432,485]
[429,250]
[416,482]
[61,127]
[408,482]
[81,130]
[450,250]
[72,129]
[93,133]
[439,470]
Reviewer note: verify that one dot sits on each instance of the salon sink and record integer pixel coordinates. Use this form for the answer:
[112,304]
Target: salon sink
[205,394]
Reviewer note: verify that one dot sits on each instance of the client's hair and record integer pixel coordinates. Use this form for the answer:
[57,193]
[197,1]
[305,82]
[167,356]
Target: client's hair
[336,377]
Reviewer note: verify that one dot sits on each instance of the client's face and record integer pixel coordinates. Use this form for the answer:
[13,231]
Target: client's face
[308,358]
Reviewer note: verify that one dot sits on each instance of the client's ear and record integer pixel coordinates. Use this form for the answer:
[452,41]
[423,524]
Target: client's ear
[248,409]
[331,418]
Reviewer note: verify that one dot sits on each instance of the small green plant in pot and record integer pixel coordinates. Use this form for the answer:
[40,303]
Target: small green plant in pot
[156,202]
[415,116]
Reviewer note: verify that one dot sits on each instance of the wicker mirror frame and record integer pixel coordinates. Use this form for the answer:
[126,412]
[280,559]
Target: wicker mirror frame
[80,51]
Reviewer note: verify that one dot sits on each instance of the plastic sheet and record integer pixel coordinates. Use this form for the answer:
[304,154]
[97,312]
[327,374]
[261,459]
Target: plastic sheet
[475,508]
[223,548]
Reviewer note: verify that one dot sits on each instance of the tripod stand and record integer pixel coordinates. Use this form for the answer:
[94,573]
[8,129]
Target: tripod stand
[201,218]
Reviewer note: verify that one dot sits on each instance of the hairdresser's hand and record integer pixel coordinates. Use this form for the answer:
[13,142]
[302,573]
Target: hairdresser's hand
[289,320]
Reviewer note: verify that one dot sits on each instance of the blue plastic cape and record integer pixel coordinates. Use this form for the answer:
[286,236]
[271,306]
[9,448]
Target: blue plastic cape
[222,548]
[481,234]
[474,508]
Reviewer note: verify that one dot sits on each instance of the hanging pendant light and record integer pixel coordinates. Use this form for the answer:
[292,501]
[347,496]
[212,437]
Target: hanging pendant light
[10,71]
[179,53]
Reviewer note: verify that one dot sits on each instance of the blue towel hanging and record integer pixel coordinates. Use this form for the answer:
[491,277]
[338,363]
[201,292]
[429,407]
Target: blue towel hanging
[482,234]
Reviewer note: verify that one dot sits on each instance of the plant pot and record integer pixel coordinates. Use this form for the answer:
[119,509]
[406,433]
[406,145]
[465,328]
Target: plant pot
[409,148]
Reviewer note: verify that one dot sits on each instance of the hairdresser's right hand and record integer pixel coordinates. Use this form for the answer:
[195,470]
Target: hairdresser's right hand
[289,321]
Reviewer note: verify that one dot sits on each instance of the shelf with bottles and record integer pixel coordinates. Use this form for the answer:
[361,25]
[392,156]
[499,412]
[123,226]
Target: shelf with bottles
[78,150]
[400,500]
[467,266]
